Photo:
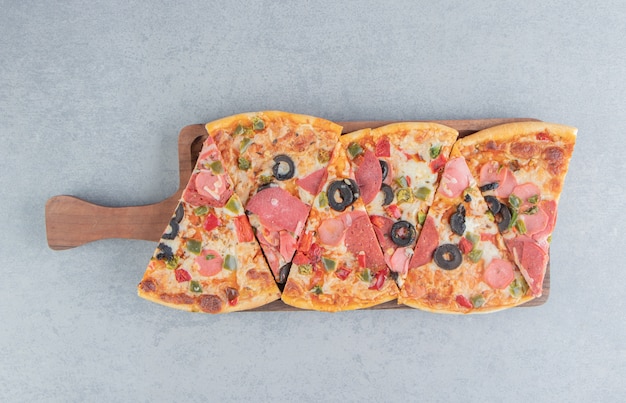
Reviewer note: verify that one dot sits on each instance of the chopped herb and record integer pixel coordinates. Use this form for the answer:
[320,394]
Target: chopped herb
[195,286]
[514,201]
[518,287]
[317,290]
[305,269]
[323,156]
[477,301]
[217,167]
[210,256]
[421,217]
[422,193]
[366,275]
[329,264]
[475,255]
[435,151]
[322,200]
[404,195]
[533,199]
[233,205]
[202,210]
[257,123]
[354,149]
[549,238]
[194,246]
[402,182]
[172,263]
[265,179]
[239,130]
[243,163]
[245,143]
[473,238]
[532,210]
[520,226]
[230,262]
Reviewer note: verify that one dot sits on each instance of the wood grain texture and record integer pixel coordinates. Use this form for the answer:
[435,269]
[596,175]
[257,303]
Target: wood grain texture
[71,222]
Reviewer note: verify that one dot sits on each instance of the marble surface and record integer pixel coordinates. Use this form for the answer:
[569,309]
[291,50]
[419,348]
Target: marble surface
[92,97]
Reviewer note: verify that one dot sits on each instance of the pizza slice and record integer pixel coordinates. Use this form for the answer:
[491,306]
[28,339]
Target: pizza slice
[460,263]
[284,155]
[397,170]
[521,168]
[338,264]
[208,259]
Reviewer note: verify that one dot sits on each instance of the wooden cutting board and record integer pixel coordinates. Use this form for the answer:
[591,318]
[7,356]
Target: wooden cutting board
[72,222]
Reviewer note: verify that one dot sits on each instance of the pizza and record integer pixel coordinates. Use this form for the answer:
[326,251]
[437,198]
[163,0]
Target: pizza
[460,263]
[208,259]
[397,171]
[284,155]
[521,168]
[338,264]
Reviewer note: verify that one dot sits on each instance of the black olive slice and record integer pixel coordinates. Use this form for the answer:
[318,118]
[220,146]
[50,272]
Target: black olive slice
[457,223]
[489,186]
[340,195]
[467,197]
[457,220]
[448,256]
[165,252]
[278,168]
[493,204]
[283,273]
[503,218]
[180,213]
[388,192]
[403,233]
[173,230]
[354,187]
[384,167]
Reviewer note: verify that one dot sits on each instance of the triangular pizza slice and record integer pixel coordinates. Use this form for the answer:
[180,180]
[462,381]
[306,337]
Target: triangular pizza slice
[461,264]
[208,259]
[277,161]
[397,170]
[338,265]
[521,168]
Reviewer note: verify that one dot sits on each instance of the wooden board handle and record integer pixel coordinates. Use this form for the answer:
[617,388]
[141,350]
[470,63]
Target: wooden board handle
[72,222]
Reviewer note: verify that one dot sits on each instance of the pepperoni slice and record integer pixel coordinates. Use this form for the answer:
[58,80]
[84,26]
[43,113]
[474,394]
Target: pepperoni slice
[209,262]
[369,177]
[456,177]
[360,237]
[313,182]
[426,244]
[499,274]
[277,209]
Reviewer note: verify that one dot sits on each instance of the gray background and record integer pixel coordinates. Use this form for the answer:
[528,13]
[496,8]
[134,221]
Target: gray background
[92,97]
